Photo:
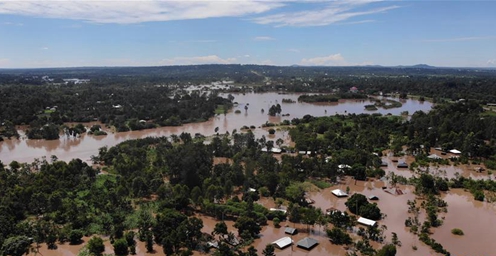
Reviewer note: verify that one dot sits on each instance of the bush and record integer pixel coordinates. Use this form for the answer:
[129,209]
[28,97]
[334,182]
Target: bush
[272,131]
[457,231]
[277,222]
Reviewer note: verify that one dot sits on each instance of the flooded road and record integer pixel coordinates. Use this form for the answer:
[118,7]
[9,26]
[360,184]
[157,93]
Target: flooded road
[65,148]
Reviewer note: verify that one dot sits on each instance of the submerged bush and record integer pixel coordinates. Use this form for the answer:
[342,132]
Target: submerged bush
[457,231]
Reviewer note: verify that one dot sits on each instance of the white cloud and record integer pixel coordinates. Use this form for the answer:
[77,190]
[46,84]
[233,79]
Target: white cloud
[460,39]
[126,12]
[246,56]
[334,12]
[210,59]
[491,62]
[331,60]
[44,48]
[263,38]
[8,23]
[294,50]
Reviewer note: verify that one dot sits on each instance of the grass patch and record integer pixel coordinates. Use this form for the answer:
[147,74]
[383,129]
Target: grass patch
[219,110]
[457,231]
[321,184]
[488,113]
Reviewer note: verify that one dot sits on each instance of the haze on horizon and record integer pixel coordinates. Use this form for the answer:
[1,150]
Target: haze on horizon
[76,33]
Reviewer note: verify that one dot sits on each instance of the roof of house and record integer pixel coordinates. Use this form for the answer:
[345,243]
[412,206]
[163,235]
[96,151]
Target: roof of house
[455,151]
[366,222]
[384,163]
[403,165]
[344,166]
[277,210]
[213,244]
[290,230]
[373,197]
[273,150]
[307,243]
[394,191]
[434,156]
[283,242]
[339,193]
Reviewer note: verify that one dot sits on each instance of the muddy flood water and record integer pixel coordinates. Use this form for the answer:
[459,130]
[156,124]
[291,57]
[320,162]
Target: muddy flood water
[65,148]
[462,209]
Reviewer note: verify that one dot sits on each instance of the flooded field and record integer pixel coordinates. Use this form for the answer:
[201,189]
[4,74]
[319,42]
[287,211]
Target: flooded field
[65,148]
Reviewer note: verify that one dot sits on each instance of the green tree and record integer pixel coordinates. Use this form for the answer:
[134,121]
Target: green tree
[245,223]
[16,245]
[338,236]
[149,242]
[269,250]
[121,247]
[75,236]
[95,246]
[355,202]
[387,250]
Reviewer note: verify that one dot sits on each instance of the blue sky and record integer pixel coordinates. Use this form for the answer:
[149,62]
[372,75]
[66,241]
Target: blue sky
[314,32]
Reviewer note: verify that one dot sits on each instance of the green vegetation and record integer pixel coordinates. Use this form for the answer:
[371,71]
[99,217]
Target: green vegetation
[338,236]
[457,231]
[358,204]
[161,186]
[370,107]
[330,97]
[124,107]
[387,104]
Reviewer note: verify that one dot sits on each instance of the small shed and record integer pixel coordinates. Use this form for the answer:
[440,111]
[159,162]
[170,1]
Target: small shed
[367,222]
[290,231]
[307,243]
[402,165]
[339,193]
[384,164]
[283,242]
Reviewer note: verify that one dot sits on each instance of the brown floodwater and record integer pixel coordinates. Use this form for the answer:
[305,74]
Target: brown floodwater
[476,219]
[65,148]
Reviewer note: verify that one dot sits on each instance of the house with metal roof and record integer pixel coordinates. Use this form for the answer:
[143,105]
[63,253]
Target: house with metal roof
[307,243]
[339,193]
[366,222]
[283,242]
[290,231]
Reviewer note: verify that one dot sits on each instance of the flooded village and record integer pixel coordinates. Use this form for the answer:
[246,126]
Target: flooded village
[391,197]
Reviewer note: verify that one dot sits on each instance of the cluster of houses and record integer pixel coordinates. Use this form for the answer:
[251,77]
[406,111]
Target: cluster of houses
[306,243]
